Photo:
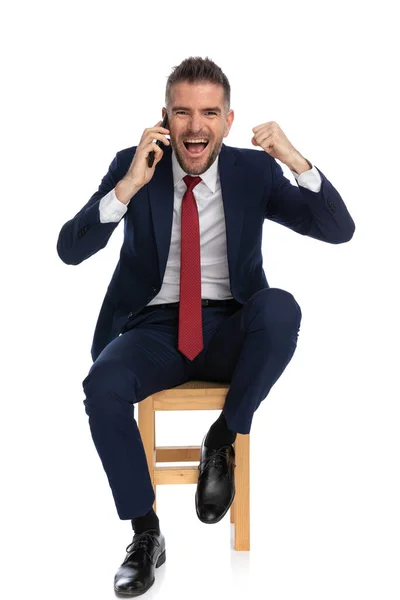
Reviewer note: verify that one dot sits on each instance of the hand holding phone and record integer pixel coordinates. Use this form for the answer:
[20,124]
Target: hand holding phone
[139,172]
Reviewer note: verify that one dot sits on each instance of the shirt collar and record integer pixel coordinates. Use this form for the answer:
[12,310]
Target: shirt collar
[209,177]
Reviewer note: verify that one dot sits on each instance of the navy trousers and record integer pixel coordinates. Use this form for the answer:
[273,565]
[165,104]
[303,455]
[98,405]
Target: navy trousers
[247,345]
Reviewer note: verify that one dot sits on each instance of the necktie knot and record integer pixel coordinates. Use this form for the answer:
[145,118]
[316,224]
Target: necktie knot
[191,181]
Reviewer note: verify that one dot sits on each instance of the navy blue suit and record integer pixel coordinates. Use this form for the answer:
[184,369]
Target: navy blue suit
[248,344]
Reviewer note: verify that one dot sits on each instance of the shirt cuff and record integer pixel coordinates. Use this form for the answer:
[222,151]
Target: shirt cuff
[111,209]
[310,179]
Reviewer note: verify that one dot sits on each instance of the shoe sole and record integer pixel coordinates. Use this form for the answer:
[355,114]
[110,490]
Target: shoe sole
[120,594]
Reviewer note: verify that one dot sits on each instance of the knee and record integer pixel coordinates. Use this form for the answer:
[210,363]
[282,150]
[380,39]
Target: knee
[109,387]
[278,307]
[285,300]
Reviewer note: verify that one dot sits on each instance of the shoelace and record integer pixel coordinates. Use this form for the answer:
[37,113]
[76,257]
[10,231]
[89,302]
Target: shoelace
[141,540]
[216,460]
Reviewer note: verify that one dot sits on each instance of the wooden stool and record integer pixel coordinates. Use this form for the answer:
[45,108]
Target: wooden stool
[196,395]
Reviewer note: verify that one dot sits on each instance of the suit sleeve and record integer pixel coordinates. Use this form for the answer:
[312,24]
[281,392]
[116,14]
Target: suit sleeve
[85,234]
[321,214]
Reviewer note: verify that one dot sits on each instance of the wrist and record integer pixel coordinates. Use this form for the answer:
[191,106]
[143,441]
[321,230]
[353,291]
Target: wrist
[125,189]
[299,164]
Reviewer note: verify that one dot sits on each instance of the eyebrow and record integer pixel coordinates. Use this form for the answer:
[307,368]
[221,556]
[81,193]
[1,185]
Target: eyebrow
[214,108]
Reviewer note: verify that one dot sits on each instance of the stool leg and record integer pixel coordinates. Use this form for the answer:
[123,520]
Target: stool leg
[146,425]
[232,511]
[242,495]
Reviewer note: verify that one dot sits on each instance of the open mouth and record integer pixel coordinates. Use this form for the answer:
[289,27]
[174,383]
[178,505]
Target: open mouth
[195,148]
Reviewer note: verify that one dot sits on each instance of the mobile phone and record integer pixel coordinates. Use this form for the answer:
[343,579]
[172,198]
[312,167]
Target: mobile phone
[150,158]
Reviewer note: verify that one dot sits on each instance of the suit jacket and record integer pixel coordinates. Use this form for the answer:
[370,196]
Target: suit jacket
[253,188]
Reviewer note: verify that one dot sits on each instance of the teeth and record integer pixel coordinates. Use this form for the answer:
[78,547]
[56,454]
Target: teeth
[196,141]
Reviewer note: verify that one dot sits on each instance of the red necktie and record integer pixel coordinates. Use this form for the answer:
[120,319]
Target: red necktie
[190,335]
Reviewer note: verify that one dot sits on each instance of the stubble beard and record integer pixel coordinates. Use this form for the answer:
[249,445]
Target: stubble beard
[197,168]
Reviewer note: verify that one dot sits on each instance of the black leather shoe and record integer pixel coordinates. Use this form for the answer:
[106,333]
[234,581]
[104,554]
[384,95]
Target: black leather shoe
[146,552]
[216,484]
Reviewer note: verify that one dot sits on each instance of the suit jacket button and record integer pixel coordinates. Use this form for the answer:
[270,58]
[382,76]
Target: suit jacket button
[130,314]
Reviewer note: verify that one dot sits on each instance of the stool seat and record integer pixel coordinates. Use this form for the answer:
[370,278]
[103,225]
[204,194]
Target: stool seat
[195,395]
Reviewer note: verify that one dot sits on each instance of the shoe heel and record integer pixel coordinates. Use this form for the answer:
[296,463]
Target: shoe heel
[161,560]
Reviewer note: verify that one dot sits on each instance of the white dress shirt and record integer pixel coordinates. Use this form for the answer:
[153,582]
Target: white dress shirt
[215,282]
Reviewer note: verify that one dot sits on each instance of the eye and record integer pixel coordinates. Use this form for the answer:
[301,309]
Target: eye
[211,112]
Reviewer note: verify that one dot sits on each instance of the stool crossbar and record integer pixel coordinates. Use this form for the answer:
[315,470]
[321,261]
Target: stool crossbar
[195,395]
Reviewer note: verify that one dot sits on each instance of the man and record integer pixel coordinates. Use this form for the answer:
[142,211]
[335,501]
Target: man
[189,298]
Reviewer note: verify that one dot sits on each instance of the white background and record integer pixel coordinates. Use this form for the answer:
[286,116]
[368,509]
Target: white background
[82,81]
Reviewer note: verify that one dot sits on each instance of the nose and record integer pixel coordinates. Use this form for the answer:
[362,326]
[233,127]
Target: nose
[195,123]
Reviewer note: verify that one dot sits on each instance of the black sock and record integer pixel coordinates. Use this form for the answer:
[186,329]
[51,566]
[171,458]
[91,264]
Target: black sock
[145,522]
[219,434]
